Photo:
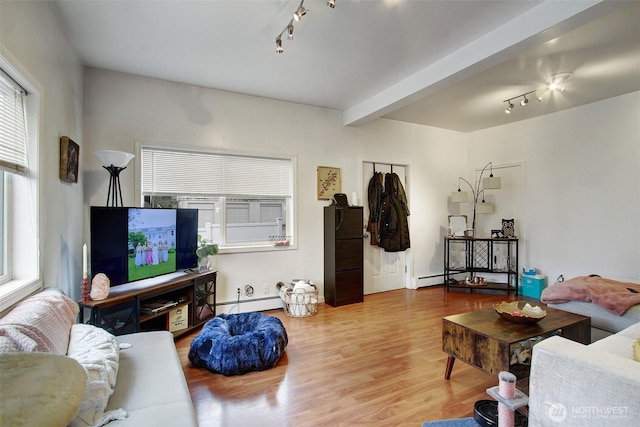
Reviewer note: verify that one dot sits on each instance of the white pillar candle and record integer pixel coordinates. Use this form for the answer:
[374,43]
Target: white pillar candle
[354,199]
[84,261]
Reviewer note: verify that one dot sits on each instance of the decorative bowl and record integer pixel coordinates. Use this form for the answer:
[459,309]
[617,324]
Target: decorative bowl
[512,312]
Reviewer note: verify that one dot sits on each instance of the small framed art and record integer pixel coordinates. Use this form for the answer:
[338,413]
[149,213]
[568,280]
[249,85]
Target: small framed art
[69,160]
[329,182]
[497,234]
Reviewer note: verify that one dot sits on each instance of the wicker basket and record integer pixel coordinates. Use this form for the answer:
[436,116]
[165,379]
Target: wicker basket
[299,303]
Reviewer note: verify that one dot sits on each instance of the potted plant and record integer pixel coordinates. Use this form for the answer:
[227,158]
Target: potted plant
[205,249]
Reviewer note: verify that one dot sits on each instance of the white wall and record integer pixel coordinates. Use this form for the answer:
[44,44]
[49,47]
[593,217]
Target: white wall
[580,165]
[121,109]
[31,34]
[581,186]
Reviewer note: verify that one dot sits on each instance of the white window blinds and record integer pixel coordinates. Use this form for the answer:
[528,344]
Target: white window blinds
[169,172]
[13,137]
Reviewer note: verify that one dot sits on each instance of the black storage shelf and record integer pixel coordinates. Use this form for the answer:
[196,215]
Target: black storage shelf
[472,255]
[121,312]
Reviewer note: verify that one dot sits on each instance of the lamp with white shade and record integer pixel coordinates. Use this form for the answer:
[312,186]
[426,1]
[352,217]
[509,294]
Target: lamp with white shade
[114,162]
[479,205]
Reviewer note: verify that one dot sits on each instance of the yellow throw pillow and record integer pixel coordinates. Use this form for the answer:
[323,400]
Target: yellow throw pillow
[39,389]
[636,350]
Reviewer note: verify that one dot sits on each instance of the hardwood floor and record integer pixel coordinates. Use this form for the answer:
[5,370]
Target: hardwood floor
[377,363]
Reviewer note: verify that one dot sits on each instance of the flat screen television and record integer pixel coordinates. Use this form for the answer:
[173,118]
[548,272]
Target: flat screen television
[129,244]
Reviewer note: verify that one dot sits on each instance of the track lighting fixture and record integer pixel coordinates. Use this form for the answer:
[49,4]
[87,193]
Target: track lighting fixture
[523,102]
[300,12]
[288,30]
[556,82]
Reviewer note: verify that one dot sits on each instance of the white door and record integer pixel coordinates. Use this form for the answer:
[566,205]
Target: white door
[383,271]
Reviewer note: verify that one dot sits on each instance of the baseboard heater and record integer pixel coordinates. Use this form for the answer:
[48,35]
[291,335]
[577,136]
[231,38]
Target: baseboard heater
[429,279]
[244,301]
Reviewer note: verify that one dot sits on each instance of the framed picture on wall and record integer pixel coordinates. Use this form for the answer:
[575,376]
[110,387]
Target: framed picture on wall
[69,160]
[329,182]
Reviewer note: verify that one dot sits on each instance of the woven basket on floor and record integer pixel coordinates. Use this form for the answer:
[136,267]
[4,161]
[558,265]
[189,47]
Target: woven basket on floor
[299,303]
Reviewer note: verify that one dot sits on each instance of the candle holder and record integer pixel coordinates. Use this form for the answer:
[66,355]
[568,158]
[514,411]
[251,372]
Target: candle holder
[85,290]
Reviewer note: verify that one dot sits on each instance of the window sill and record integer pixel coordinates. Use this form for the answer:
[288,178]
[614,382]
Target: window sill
[248,249]
[14,290]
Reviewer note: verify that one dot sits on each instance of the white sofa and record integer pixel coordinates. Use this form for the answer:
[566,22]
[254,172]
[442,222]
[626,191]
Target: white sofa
[603,321]
[141,382]
[572,384]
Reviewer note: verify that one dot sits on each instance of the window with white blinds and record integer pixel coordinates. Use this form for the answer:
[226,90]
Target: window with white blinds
[20,247]
[242,201]
[13,139]
[170,172]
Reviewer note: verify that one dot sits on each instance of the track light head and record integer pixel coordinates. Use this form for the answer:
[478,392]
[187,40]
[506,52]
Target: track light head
[556,86]
[557,81]
[300,12]
[331,4]
[279,48]
[509,108]
[290,31]
[523,102]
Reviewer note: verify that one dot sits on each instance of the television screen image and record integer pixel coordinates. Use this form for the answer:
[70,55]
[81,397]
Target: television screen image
[151,242]
[129,244]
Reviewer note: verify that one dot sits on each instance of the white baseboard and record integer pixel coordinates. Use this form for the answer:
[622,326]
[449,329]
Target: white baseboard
[248,305]
[423,282]
[253,305]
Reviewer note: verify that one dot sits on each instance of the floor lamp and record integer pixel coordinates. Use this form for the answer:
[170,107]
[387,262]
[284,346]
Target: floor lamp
[114,162]
[489,183]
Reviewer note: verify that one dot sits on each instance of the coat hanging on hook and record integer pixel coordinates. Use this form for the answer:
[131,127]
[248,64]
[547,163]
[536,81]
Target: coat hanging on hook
[393,225]
[374,194]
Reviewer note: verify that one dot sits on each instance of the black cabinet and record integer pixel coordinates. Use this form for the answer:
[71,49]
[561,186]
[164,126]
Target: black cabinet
[343,255]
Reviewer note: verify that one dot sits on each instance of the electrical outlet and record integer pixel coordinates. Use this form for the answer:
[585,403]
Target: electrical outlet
[266,288]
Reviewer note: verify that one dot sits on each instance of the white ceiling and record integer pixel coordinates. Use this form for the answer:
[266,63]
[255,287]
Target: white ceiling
[446,64]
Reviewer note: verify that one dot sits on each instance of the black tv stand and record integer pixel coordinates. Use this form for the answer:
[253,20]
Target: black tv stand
[178,303]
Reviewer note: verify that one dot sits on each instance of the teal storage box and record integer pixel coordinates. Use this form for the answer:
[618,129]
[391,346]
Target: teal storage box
[532,285]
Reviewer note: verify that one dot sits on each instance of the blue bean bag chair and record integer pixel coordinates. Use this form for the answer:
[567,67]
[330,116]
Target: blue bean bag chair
[234,344]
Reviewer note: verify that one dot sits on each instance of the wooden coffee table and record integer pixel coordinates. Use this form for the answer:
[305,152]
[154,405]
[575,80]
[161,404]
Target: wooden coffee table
[483,339]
